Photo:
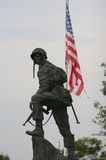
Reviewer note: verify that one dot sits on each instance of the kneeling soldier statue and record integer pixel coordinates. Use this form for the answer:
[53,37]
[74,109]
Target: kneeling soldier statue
[51,93]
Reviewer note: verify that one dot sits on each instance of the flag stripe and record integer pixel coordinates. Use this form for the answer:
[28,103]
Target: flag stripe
[68,43]
[70,39]
[70,57]
[71,49]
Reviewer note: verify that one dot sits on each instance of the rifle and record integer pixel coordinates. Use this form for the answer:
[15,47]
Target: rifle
[77,121]
[30,116]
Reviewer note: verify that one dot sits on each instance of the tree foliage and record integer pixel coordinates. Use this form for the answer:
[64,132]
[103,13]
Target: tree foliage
[4,157]
[100,118]
[104,82]
[88,147]
[103,155]
[92,148]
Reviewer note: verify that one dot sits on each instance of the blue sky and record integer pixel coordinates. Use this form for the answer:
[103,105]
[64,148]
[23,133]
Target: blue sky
[25,25]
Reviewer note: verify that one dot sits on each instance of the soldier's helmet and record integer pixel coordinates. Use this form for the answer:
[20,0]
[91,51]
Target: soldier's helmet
[38,51]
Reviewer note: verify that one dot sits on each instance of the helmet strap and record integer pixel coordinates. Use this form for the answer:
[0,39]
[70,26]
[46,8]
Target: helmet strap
[33,70]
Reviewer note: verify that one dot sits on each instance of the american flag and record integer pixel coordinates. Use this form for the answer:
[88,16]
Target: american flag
[75,81]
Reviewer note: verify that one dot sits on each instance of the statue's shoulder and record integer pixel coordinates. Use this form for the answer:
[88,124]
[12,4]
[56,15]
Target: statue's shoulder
[49,64]
[52,66]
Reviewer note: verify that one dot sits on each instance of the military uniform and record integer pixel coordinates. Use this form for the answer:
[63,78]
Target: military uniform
[51,86]
[52,94]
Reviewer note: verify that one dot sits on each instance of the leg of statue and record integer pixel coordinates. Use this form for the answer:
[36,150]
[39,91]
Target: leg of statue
[61,118]
[38,117]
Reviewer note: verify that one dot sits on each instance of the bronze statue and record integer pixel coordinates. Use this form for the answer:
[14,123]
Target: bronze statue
[51,93]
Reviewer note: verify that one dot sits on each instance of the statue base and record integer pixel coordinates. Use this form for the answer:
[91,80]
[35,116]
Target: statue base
[44,150]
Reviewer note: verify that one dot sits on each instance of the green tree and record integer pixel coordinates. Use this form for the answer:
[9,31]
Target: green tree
[103,155]
[88,148]
[100,118]
[4,157]
[92,148]
[104,82]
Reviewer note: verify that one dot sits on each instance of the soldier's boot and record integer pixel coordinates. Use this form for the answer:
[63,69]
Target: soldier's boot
[38,131]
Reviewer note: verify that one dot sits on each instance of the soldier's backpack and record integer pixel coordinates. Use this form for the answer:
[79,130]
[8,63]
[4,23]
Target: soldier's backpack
[57,74]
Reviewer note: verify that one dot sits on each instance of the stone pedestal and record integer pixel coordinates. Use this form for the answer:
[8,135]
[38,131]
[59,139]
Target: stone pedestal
[44,150]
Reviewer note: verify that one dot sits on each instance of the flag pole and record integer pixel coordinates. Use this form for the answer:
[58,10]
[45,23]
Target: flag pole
[66,60]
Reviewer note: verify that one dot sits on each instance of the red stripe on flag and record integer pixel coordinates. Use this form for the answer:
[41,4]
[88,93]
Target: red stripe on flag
[70,57]
[72,49]
[70,39]
[80,89]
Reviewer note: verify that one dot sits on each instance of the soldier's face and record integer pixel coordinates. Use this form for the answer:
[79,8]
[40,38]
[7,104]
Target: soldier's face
[37,59]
